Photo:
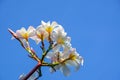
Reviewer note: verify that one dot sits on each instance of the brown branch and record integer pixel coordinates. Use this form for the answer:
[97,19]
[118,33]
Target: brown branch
[32,71]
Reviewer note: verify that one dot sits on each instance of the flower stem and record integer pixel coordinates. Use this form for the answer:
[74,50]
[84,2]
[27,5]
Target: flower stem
[32,71]
[45,53]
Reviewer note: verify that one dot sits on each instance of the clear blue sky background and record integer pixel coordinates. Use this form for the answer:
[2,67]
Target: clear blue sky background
[94,26]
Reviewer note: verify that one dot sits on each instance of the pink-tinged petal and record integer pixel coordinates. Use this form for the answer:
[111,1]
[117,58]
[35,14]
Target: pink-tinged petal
[18,33]
[41,33]
[54,24]
[65,70]
[36,39]
[32,34]
[53,56]
[31,31]
[22,30]
[40,29]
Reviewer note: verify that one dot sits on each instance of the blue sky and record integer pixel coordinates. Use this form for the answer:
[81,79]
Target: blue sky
[93,26]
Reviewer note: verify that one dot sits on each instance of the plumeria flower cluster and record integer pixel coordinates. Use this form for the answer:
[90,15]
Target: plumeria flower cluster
[58,51]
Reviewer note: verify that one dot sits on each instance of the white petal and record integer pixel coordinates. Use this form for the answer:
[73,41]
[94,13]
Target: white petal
[48,24]
[43,23]
[23,30]
[57,48]
[54,24]
[80,60]
[52,70]
[50,55]
[54,36]
[25,43]
[59,29]
[57,67]
[18,33]
[36,39]
[65,70]
[67,46]
[32,34]
[74,63]
[31,31]
[68,39]
[41,30]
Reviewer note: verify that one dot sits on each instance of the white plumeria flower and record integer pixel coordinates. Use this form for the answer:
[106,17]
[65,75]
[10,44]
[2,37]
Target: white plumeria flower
[40,34]
[57,57]
[61,38]
[25,34]
[70,57]
[65,58]
[44,30]
[75,59]
[23,37]
[49,27]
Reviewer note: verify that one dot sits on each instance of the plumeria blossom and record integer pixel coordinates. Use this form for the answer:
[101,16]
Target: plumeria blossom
[49,27]
[65,58]
[25,34]
[44,31]
[23,41]
[75,59]
[40,34]
[58,50]
[61,38]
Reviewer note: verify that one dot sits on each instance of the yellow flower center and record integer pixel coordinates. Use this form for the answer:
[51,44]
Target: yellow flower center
[60,41]
[72,56]
[49,29]
[25,35]
[41,36]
